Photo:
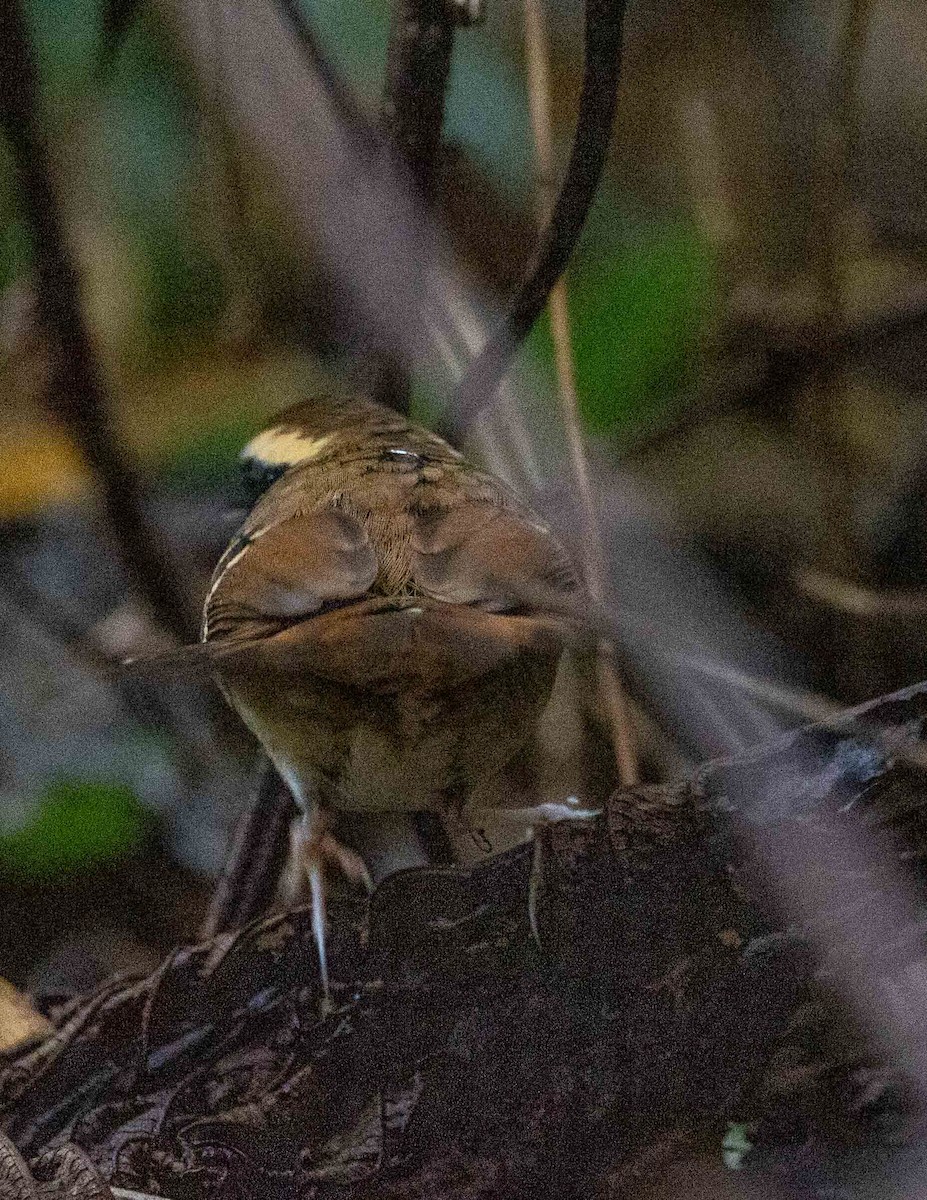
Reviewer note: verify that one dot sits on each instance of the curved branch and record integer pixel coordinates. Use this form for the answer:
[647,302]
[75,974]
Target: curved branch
[601,76]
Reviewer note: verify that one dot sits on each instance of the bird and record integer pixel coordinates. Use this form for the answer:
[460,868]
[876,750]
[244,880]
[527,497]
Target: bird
[388,622]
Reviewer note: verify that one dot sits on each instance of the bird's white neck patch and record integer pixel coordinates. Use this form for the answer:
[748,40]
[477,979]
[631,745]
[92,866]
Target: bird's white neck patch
[284,447]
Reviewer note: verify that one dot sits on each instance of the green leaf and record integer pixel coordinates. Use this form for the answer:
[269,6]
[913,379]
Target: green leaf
[77,824]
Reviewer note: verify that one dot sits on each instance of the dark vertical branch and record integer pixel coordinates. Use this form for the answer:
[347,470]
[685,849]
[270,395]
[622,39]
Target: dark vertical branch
[417,71]
[418,67]
[601,76]
[77,393]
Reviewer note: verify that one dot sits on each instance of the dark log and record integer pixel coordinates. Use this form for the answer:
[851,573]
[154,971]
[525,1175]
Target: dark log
[672,990]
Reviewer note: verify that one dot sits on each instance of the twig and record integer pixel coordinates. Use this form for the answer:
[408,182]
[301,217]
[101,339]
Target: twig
[609,682]
[20,598]
[601,74]
[845,596]
[735,387]
[704,165]
[142,701]
[256,856]
[336,90]
[836,137]
[77,393]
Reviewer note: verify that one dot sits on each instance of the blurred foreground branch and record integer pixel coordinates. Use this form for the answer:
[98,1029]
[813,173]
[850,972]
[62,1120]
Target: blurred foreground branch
[673,991]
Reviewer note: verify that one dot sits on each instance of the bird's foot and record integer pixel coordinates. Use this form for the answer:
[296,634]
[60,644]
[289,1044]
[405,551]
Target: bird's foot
[313,846]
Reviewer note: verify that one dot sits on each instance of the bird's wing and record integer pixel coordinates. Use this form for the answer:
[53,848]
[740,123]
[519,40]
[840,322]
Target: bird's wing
[495,558]
[288,571]
[269,579]
[497,578]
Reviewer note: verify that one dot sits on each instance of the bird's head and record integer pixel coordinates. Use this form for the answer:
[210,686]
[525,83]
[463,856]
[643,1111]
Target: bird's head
[324,427]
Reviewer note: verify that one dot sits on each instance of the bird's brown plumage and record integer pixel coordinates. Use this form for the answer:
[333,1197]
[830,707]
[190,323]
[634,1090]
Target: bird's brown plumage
[388,621]
[372,621]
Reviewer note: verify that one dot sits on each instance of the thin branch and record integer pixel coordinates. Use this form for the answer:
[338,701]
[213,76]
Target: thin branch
[601,75]
[77,394]
[842,595]
[256,857]
[19,598]
[142,701]
[609,682]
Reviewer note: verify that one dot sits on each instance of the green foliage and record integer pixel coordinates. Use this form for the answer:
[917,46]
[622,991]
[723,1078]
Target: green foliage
[210,459]
[77,824]
[637,310]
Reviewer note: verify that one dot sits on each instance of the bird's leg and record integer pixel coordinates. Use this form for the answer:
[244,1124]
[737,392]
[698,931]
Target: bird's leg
[312,845]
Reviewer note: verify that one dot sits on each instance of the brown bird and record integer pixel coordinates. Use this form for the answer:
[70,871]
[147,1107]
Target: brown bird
[375,623]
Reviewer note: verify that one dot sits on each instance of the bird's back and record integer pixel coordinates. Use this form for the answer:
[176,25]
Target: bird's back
[383,622]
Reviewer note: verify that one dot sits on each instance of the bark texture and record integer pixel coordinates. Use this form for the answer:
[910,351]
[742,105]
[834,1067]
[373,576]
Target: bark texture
[675,987]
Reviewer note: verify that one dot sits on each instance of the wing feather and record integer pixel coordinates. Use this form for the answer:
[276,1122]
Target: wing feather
[289,571]
[494,558]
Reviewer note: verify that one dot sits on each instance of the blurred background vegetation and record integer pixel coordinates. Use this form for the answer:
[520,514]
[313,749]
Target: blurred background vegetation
[752,214]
